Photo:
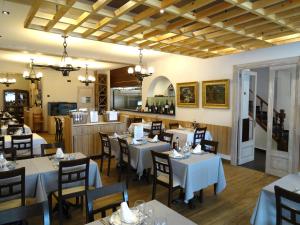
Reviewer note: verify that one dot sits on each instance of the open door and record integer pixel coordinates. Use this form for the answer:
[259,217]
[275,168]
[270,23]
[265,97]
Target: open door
[246,143]
[281,144]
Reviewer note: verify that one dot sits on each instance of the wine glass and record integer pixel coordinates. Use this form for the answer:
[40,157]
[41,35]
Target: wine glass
[148,214]
[139,205]
[160,221]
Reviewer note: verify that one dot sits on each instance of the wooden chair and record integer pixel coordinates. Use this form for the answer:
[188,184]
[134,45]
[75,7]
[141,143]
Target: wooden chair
[285,211]
[37,121]
[166,137]
[70,173]
[156,128]
[173,125]
[22,144]
[2,143]
[105,151]
[163,174]
[92,195]
[58,129]
[199,135]
[124,160]
[13,128]
[51,146]
[209,146]
[25,212]
[12,187]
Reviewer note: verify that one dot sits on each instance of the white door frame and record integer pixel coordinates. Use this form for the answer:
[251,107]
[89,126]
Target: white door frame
[236,100]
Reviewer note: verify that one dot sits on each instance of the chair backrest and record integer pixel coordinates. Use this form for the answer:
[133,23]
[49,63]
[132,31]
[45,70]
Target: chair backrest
[125,156]
[2,143]
[92,195]
[73,171]
[166,137]
[137,120]
[24,212]
[162,165]
[22,145]
[105,143]
[156,128]
[12,185]
[209,146]
[199,135]
[173,125]
[51,146]
[285,211]
[12,128]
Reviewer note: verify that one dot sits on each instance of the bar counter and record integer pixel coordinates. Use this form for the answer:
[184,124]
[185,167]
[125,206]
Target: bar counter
[85,138]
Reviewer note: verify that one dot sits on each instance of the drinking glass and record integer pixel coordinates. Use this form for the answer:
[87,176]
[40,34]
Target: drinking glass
[139,205]
[160,221]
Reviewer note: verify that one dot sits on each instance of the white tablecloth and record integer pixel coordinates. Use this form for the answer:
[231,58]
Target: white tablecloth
[37,140]
[186,135]
[265,210]
[4,129]
[198,172]
[146,125]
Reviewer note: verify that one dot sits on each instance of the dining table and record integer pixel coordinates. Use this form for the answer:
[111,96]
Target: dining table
[160,211]
[41,176]
[141,158]
[145,125]
[186,135]
[265,210]
[198,171]
[27,129]
[37,140]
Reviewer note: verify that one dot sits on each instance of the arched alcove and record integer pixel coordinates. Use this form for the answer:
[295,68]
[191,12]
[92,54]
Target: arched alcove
[160,86]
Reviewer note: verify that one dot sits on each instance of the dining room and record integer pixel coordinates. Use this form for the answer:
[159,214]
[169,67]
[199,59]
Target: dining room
[143,112]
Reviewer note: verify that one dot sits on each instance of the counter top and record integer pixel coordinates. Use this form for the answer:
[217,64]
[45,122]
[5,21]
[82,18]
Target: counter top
[154,114]
[98,123]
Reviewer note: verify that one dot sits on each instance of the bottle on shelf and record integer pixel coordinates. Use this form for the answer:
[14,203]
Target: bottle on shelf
[172,108]
[152,107]
[166,110]
[155,108]
[147,106]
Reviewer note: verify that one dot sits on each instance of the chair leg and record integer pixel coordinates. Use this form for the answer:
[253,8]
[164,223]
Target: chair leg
[101,163]
[170,197]
[60,212]
[154,189]
[50,207]
[108,167]
[215,188]
[201,195]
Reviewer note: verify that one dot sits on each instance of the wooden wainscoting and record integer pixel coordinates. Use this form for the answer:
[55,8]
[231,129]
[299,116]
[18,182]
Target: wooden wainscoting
[222,134]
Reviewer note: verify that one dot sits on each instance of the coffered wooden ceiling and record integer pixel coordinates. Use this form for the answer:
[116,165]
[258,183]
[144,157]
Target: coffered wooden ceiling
[200,28]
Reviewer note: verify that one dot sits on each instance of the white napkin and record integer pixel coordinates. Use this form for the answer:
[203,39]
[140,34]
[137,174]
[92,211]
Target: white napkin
[126,214]
[59,153]
[134,141]
[155,139]
[180,127]
[116,135]
[176,154]
[197,149]
[19,132]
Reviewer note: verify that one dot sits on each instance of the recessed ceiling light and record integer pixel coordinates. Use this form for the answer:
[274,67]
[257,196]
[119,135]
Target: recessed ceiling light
[162,11]
[5,12]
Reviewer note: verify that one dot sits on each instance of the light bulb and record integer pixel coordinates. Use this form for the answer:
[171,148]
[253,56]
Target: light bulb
[39,75]
[81,78]
[138,68]
[68,60]
[150,70]
[1,80]
[143,71]
[130,70]
[4,79]
[14,80]
[25,74]
[91,78]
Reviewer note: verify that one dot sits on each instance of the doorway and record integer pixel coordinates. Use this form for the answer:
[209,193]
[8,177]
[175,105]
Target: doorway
[265,128]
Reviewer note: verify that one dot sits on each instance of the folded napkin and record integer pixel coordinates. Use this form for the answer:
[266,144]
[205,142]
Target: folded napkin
[19,132]
[180,127]
[155,138]
[59,153]
[134,141]
[176,154]
[126,214]
[197,149]
[116,135]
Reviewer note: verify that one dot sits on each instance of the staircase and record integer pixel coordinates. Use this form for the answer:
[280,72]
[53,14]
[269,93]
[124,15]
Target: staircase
[279,134]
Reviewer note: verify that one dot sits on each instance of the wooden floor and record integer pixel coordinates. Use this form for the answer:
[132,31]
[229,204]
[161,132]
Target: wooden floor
[234,206]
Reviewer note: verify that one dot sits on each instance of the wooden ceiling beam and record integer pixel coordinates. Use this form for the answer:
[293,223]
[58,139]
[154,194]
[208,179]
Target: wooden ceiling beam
[33,10]
[222,6]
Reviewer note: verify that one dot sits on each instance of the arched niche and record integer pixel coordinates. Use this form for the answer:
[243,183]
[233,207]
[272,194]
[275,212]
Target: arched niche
[161,86]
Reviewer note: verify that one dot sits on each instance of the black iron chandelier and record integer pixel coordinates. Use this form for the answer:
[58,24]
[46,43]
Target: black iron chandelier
[139,71]
[31,74]
[87,79]
[65,66]
[7,81]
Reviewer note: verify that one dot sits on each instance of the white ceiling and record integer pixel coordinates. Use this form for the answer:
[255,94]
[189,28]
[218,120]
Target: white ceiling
[19,44]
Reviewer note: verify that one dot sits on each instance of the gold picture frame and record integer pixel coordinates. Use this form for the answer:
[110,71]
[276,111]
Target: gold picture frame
[187,94]
[215,94]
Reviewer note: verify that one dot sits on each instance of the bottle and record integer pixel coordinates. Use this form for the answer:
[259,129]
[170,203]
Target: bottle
[172,108]
[146,106]
[166,107]
[152,107]
[155,108]
[177,143]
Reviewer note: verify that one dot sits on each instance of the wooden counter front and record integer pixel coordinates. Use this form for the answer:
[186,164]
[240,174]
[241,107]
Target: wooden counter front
[85,137]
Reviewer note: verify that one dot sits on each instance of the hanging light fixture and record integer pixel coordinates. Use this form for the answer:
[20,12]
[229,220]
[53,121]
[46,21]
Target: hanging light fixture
[139,71]
[87,79]
[65,66]
[32,75]
[6,81]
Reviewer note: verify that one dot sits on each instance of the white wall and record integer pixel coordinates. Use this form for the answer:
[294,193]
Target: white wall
[185,69]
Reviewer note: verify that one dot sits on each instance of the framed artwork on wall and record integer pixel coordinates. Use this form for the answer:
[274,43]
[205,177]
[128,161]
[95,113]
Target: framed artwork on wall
[215,94]
[187,94]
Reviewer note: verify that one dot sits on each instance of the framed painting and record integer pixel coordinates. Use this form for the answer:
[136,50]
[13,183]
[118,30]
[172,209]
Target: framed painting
[187,94]
[215,94]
